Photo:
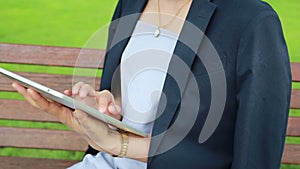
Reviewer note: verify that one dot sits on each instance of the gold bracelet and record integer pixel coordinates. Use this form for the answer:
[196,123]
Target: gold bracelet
[124,145]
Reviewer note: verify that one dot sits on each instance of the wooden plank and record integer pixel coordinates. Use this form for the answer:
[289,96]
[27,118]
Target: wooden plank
[41,138]
[293,127]
[57,82]
[22,110]
[295,71]
[49,55]
[291,154]
[295,99]
[33,163]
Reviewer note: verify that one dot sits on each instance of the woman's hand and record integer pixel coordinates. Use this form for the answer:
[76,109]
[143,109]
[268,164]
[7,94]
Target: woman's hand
[63,113]
[97,133]
[103,100]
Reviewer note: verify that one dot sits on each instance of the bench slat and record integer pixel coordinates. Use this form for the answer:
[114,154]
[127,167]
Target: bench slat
[41,138]
[293,127]
[22,110]
[291,154]
[295,99]
[295,71]
[33,163]
[56,82]
[49,55]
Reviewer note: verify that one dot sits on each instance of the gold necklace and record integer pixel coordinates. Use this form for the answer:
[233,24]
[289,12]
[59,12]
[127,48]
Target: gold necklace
[156,33]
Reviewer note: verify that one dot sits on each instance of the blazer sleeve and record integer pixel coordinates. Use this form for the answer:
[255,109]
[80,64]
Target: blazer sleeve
[263,83]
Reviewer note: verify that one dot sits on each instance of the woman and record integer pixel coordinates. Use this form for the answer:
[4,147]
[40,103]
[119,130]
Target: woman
[249,133]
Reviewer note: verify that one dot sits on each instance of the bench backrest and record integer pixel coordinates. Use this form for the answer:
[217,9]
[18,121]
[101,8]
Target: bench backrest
[291,153]
[14,109]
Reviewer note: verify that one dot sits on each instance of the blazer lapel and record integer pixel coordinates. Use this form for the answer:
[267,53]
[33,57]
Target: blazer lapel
[188,43]
[130,14]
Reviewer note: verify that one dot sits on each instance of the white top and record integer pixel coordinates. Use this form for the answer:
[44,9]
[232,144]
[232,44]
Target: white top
[144,64]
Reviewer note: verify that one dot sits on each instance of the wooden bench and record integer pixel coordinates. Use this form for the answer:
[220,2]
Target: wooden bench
[13,109]
[291,154]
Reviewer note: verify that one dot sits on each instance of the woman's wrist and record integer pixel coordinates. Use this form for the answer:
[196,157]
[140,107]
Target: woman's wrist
[121,151]
[137,147]
[113,143]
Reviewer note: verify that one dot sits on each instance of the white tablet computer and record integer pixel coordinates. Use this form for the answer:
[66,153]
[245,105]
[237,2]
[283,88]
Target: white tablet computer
[70,102]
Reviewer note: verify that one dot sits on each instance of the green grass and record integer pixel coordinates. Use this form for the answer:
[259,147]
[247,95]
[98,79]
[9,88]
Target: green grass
[29,124]
[11,95]
[289,166]
[294,112]
[53,22]
[296,85]
[292,140]
[70,23]
[53,69]
[37,153]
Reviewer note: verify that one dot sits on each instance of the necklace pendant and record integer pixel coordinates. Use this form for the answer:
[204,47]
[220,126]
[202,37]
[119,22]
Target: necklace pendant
[156,32]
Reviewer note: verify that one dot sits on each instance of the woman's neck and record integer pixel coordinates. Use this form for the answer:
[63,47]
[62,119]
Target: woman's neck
[169,14]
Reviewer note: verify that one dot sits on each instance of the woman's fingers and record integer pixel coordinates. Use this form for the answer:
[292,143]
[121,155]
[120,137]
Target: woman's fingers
[85,94]
[107,104]
[42,103]
[68,92]
[115,111]
[23,91]
[82,90]
[104,100]
[34,98]
[76,88]
[86,90]
[63,113]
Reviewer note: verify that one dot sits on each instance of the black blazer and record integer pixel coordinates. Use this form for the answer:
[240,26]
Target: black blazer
[248,39]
